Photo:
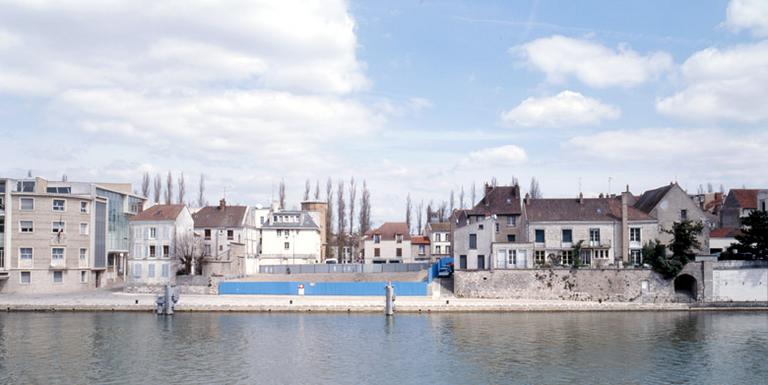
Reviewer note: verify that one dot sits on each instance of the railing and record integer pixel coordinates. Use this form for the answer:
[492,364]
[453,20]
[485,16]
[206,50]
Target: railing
[343,268]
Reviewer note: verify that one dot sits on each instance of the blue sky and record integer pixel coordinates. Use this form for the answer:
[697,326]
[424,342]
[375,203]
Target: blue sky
[416,97]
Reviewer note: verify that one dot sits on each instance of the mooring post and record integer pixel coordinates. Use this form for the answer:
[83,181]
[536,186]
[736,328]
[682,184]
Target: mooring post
[389,308]
[168,300]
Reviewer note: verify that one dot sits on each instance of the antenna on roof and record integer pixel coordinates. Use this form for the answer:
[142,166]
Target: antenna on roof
[580,185]
[610,178]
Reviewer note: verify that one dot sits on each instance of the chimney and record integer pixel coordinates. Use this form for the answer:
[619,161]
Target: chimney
[222,204]
[488,188]
[625,225]
[527,198]
[581,198]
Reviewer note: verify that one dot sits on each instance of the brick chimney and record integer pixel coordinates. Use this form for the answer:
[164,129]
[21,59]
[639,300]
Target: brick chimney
[222,204]
[488,188]
[625,225]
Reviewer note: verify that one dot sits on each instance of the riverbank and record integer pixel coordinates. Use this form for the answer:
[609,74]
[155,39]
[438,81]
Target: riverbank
[118,301]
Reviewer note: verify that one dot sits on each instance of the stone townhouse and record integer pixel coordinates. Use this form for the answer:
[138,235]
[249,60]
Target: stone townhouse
[420,248]
[228,232]
[60,236]
[291,237]
[670,204]
[495,219]
[609,230]
[439,234]
[158,235]
[390,243]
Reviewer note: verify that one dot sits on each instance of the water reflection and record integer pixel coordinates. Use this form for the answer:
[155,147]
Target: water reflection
[552,348]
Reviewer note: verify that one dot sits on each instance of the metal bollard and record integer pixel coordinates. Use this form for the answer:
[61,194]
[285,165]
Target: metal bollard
[389,308]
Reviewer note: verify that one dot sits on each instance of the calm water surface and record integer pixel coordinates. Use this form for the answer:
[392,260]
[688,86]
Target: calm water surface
[536,348]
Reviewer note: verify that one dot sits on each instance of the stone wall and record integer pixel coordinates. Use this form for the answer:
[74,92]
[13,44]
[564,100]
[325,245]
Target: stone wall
[615,285]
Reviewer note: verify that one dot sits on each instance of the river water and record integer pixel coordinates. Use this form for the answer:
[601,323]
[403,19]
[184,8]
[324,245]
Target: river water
[524,348]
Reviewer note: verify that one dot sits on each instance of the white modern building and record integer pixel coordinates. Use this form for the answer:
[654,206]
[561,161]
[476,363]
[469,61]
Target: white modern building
[290,237]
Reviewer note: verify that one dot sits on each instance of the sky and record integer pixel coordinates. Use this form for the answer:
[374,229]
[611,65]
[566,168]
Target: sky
[414,97]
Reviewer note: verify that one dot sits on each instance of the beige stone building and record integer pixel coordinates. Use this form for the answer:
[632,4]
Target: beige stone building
[57,236]
[390,243]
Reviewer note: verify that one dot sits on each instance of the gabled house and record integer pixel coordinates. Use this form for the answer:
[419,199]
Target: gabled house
[420,248]
[608,230]
[439,237]
[670,204]
[157,235]
[389,243]
[738,204]
[291,237]
[229,233]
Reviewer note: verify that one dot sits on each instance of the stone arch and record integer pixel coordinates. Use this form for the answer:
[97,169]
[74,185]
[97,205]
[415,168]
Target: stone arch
[686,287]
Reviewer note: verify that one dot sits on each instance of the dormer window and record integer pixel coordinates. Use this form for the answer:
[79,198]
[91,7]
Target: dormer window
[376,238]
[399,238]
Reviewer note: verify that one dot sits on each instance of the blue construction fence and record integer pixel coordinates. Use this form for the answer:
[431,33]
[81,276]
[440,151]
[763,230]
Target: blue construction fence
[333,288]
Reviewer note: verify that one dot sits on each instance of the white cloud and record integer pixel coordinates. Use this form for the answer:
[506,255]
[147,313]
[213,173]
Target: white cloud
[568,108]
[502,156]
[748,14]
[729,84]
[594,64]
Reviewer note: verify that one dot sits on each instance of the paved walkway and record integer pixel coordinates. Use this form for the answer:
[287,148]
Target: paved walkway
[109,301]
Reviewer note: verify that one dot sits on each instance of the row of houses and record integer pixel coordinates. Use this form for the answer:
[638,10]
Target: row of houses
[505,230]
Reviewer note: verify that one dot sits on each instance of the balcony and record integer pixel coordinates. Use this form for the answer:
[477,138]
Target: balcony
[58,263]
[604,244]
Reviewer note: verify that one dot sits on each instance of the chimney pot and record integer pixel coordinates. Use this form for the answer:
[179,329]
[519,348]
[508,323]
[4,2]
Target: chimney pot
[222,203]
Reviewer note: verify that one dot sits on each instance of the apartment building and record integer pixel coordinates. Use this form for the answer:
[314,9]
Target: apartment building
[439,235]
[291,237]
[63,236]
[390,243]
[224,226]
[158,234]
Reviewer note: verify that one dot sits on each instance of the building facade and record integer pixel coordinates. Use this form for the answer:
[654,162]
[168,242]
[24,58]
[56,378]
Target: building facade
[228,232]
[158,234]
[439,234]
[421,248]
[291,237]
[390,243]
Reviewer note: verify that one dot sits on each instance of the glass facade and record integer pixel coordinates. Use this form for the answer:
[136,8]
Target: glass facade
[117,219]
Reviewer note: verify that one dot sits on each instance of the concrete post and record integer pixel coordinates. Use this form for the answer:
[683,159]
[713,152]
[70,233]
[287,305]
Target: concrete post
[389,308]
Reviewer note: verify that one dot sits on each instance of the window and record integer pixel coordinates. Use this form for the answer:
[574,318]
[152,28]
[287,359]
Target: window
[376,238]
[83,229]
[512,257]
[567,235]
[634,234]
[594,236]
[2,226]
[447,237]
[586,257]
[166,251]
[165,270]
[84,207]
[511,237]
[511,220]
[447,249]
[497,227]
[26,204]
[136,270]
[287,245]
[83,277]
[152,233]
[636,257]
[57,253]
[151,270]
[58,204]
[58,190]
[480,226]
[26,226]
[437,249]
[539,257]
[208,234]
[539,236]
[152,251]
[83,255]
[25,277]
[399,252]
[207,250]
[399,238]
[25,253]
[57,227]
[377,252]
[481,262]
[567,257]
[683,215]
[58,276]
[422,250]
[437,237]
[230,234]
[26,186]
[472,241]
[279,233]
[463,262]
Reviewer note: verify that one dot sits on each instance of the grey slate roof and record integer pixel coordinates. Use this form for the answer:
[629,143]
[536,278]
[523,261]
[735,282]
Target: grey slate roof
[651,198]
[305,221]
[571,210]
[499,200]
[217,216]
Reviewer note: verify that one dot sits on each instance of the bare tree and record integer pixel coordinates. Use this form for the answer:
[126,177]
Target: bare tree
[514,182]
[451,204]
[441,211]
[352,197]
[201,192]
[419,217]
[169,189]
[535,191]
[700,191]
[145,182]
[341,219]
[408,212]
[317,189]
[430,214]
[328,217]
[158,188]
[188,252]
[494,182]
[365,210]
[722,189]
[710,188]
[281,194]
[472,195]
[182,188]
[306,190]
[461,197]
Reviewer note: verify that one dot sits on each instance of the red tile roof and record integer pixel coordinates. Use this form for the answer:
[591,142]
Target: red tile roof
[388,230]
[724,232]
[159,213]
[746,198]
[419,240]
